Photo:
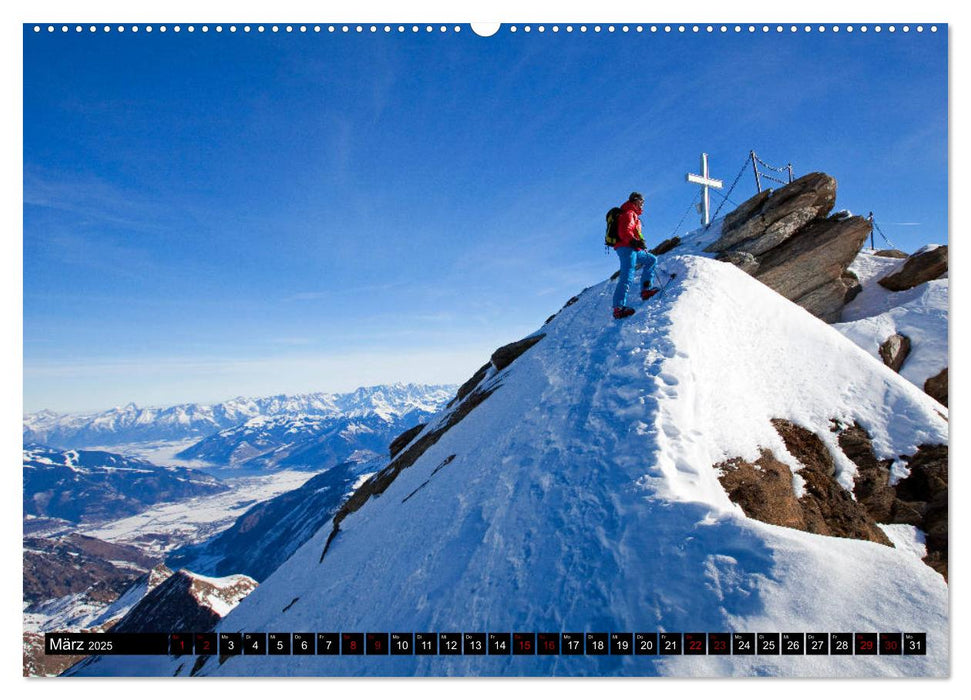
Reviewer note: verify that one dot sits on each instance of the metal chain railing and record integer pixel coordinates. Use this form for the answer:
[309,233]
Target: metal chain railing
[760,175]
[725,199]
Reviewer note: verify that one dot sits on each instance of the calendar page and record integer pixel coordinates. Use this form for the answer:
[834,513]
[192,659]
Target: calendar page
[518,349]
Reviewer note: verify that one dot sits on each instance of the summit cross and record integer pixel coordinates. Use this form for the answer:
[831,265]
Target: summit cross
[705,181]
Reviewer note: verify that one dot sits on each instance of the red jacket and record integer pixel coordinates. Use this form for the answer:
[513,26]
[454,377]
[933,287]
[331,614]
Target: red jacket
[629,226]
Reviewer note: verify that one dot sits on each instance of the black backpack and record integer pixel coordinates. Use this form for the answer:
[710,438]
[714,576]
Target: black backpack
[610,239]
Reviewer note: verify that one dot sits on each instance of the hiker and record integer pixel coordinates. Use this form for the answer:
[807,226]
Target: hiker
[631,249]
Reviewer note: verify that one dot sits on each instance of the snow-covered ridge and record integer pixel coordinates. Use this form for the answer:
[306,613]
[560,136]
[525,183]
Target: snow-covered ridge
[131,423]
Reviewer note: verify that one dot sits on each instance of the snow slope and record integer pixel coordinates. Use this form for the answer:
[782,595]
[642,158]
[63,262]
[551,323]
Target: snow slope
[581,497]
[920,313]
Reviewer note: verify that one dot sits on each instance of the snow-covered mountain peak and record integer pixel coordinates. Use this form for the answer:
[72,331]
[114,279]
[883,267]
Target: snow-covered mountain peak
[578,489]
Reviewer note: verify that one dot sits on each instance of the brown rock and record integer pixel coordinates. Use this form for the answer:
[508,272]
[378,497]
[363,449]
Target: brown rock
[894,351]
[919,500]
[666,246]
[829,509]
[814,260]
[763,490]
[891,253]
[852,284]
[936,386]
[925,490]
[872,483]
[746,262]
[776,214]
[504,356]
[922,266]
[400,442]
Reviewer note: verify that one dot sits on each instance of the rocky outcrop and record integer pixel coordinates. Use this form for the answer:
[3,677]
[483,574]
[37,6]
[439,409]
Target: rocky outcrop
[666,246]
[936,386]
[186,602]
[891,253]
[784,239]
[765,490]
[808,268]
[770,217]
[504,356]
[894,350]
[920,499]
[399,443]
[926,264]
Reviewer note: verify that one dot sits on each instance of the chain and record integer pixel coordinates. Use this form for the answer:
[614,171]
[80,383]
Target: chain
[771,167]
[737,178]
[684,216]
[882,234]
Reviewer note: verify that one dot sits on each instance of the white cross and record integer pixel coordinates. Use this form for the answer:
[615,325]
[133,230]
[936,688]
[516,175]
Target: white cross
[705,183]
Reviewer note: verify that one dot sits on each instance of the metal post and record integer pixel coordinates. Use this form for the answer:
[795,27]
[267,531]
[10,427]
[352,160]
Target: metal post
[755,167]
[790,173]
[870,219]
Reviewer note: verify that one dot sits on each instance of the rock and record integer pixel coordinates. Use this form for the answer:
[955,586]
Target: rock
[919,500]
[765,490]
[770,217]
[666,246]
[872,482]
[809,267]
[925,491]
[829,509]
[400,442]
[852,284]
[894,351]
[504,356]
[470,384]
[891,253]
[783,239]
[926,264]
[744,261]
[936,386]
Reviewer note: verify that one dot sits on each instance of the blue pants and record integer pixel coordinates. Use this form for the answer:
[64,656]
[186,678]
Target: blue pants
[628,259]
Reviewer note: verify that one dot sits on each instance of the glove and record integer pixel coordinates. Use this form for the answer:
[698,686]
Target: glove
[639,244]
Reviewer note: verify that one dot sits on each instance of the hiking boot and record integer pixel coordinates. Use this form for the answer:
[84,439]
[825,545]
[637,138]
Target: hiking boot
[648,292]
[623,311]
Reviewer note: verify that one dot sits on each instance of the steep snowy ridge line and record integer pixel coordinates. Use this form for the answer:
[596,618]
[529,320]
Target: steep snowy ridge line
[581,497]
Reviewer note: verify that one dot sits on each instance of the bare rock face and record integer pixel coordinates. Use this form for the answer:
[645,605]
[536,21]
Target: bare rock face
[744,261]
[894,351]
[400,442]
[936,386]
[666,246]
[784,239]
[808,268]
[919,500]
[924,265]
[186,601]
[772,216]
[765,490]
[504,356]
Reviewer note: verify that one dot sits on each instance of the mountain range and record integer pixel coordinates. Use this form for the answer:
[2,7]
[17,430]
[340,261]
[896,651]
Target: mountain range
[129,424]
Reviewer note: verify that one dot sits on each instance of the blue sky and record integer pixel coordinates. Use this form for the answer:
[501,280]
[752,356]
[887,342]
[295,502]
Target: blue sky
[207,215]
